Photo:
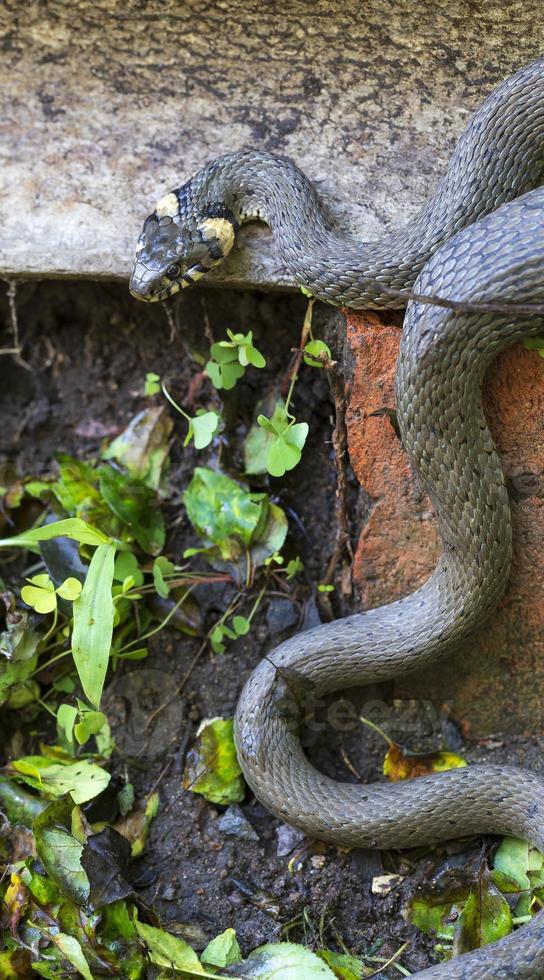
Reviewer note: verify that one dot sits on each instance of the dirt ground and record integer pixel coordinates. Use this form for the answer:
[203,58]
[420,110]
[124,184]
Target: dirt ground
[88,348]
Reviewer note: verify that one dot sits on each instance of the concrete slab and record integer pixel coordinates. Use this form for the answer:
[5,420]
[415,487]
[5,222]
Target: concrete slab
[105,106]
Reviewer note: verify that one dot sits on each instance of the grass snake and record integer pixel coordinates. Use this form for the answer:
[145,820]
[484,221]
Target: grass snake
[479,239]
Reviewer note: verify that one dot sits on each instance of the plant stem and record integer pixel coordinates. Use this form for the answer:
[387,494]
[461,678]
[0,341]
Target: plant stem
[306,332]
[376,728]
[162,624]
[174,404]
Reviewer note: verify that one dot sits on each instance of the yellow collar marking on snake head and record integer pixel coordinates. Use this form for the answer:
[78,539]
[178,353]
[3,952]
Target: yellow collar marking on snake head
[168,206]
[220,228]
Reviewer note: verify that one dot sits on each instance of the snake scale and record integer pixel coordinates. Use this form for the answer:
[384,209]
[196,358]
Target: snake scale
[480,238]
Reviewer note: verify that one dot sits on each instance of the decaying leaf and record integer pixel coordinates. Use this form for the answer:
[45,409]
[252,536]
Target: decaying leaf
[222,951]
[399,764]
[344,966]
[137,506]
[169,951]
[485,918]
[135,825]
[463,907]
[60,851]
[223,512]
[105,858]
[234,521]
[212,766]
[142,448]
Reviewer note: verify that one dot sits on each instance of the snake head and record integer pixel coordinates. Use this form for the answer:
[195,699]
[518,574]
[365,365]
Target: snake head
[178,246]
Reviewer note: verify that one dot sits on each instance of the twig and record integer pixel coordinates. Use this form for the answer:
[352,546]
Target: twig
[15,351]
[161,776]
[288,383]
[340,445]
[180,686]
[392,961]
[171,322]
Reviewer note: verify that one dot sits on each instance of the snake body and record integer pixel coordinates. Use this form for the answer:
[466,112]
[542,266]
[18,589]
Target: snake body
[480,239]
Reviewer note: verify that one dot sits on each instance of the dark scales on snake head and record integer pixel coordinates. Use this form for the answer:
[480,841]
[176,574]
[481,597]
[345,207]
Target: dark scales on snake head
[480,239]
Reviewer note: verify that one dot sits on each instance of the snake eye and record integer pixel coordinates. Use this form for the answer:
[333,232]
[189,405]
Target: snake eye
[172,271]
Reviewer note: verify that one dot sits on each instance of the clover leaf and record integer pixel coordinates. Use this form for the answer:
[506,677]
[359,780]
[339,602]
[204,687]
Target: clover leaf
[152,383]
[202,428]
[285,449]
[229,359]
[41,594]
[312,352]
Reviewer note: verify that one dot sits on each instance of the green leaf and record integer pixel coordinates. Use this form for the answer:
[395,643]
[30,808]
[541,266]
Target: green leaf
[70,589]
[223,950]
[286,960]
[167,950]
[512,860]
[312,351]
[161,567]
[271,536]
[40,594]
[72,527]
[261,435]
[76,488]
[142,448]
[431,918]
[485,918]
[91,723]
[241,625]
[285,446]
[66,719]
[137,506]
[273,426]
[126,566]
[223,352]
[294,566]
[297,434]
[93,623]
[16,687]
[212,765]
[204,427]
[216,640]
[345,966]
[82,779]
[223,512]
[71,949]
[282,457]
[152,383]
[60,852]
[20,806]
[254,357]
[225,374]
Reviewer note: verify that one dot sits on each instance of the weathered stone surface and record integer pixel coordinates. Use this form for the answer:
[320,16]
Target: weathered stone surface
[104,106]
[495,683]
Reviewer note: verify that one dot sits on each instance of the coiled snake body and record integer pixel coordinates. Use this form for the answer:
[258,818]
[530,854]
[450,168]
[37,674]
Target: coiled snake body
[480,239]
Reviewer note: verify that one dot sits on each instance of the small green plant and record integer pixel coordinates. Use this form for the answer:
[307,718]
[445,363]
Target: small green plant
[152,384]
[279,448]
[230,358]
[202,426]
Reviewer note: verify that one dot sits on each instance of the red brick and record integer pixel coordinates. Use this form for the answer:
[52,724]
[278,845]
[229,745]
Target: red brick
[496,680]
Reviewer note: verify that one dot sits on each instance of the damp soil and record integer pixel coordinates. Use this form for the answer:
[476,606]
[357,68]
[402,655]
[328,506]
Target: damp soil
[87,348]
